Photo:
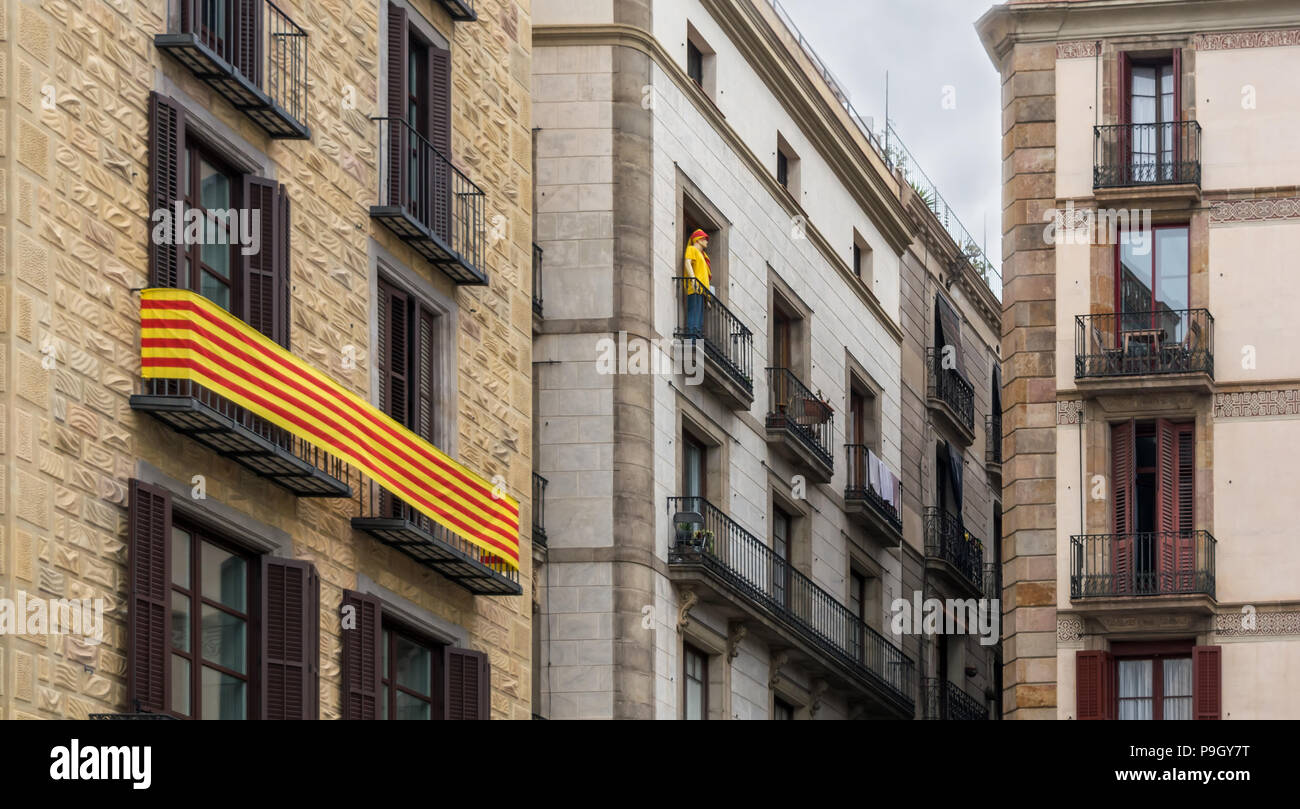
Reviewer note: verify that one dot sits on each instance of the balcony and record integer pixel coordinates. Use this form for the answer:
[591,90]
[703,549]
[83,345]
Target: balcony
[251,441]
[398,525]
[1167,350]
[727,344]
[953,553]
[873,494]
[950,396]
[1170,569]
[430,204]
[800,424]
[1147,160]
[733,569]
[460,10]
[943,700]
[263,74]
[993,443]
[537,280]
[539,510]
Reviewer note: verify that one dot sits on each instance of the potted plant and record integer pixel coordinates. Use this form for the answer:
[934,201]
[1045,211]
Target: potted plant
[703,540]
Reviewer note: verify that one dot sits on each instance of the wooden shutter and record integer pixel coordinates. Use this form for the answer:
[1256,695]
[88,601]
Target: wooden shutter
[290,639]
[1166,504]
[248,39]
[394,352]
[265,283]
[468,684]
[1185,510]
[362,664]
[440,136]
[1094,685]
[1122,451]
[397,132]
[1124,143]
[166,159]
[1207,682]
[426,369]
[149,556]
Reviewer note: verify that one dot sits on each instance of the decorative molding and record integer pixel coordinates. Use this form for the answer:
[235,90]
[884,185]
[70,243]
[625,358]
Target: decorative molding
[779,659]
[689,599]
[1254,210]
[1233,624]
[1257,403]
[1068,629]
[1246,39]
[735,634]
[1069,412]
[1077,49]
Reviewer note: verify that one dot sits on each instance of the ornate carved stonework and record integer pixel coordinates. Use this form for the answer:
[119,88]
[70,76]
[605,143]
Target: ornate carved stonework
[1254,210]
[1232,624]
[1246,39]
[1068,629]
[779,659]
[1248,404]
[736,633]
[1076,49]
[1069,412]
[815,702]
[689,599]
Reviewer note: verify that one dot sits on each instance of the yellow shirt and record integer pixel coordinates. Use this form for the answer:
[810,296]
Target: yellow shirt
[700,267]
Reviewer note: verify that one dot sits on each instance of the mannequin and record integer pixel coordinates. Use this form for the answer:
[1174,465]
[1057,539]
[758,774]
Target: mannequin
[696,266]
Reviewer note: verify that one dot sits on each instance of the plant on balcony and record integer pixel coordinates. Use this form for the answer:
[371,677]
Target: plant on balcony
[703,540]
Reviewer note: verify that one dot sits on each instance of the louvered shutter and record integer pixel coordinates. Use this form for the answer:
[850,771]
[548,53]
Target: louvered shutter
[440,137]
[1122,472]
[394,354]
[248,39]
[166,157]
[149,558]
[1094,685]
[1166,504]
[362,664]
[426,368]
[468,684]
[1185,541]
[290,639]
[1207,682]
[266,271]
[397,98]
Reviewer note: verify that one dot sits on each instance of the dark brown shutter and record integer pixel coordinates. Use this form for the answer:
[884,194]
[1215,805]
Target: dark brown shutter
[290,639]
[248,39]
[951,324]
[265,282]
[166,159]
[394,352]
[468,684]
[149,556]
[1094,685]
[397,133]
[1122,472]
[425,370]
[1207,682]
[440,137]
[362,664]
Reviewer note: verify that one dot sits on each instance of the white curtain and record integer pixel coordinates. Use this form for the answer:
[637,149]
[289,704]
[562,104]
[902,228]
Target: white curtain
[1178,689]
[1135,689]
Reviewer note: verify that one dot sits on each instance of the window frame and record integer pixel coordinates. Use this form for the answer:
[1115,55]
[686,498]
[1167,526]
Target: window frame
[1157,652]
[689,651]
[390,631]
[1118,300]
[196,152]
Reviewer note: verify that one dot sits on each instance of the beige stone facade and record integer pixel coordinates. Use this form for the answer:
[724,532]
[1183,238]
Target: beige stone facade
[74,206]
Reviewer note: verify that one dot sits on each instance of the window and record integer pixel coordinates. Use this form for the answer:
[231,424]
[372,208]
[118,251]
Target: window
[700,62]
[411,672]
[783,169]
[1154,283]
[1155,688]
[782,525]
[694,468]
[695,676]
[858,595]
[695,64]
[409,355]
[1151,105]
[210,190]
[862,255]
[782,710]
[1153,466]
[1149,680]
[787,167]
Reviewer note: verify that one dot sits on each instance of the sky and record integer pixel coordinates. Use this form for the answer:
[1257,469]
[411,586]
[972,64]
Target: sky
[944,97]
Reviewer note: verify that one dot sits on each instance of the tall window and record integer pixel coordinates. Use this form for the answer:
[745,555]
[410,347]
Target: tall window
[419,102]
[787,166]
[210,188]
[695,63]
[781,535]
[1154,283]
[408,360]
[695,676]
[783,169]
[861,258]
[1151,107]
[1153,466]
[412,674]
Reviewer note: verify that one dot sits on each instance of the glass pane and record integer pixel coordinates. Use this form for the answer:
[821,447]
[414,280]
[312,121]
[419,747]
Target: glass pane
[1177,689]
[1135,284]
[385,653]
[414,665]
[383,705]
[214,187]
[1144,81]
[694,485]
[225,577]
[214,290]
[409,707]
[224,639]
[223,696]
[1171,282]
[180,685]
[694,700]
[180,622]
[181,558]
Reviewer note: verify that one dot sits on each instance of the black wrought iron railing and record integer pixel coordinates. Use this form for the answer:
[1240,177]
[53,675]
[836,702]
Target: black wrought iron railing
[421,182]
[948,386]
[701,316]
[537,279]
[805,415]
[1165,341]
[946,538]
[539,509]
[1146,154]
[710,538]
[871,480]
[993,438]
[1155,563]
[943,700]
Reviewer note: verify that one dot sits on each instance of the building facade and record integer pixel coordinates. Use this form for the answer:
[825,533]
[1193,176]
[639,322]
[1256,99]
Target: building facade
[734,504]
[1149,387]
[287,451]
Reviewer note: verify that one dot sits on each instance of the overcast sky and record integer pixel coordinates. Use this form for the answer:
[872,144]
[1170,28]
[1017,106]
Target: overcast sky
[927,46]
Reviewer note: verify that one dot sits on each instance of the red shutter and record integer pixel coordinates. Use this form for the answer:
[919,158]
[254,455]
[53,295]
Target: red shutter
[1166,504]
[1094,685]
[440,137]
[362,664]
[248,39]
[397,138]
[265,282]
[290,639]
[468,684]
[1207,682]
[1122,472]
[166,157]
[1125,117]
[1185,541]
[149,556]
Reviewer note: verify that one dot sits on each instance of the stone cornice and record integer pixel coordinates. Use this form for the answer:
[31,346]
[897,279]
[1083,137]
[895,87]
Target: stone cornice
[937,239]
[638,39]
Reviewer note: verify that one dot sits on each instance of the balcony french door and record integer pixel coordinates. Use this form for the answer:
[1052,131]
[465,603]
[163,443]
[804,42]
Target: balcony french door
[1151,105]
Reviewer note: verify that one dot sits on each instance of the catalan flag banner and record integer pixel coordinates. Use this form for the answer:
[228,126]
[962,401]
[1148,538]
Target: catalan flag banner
[186,336]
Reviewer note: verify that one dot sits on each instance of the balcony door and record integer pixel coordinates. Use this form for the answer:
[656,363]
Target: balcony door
[694,469]
[1153,292]
[857,427]
[782,524]
[419,134]
[1153,468]
[1151,106]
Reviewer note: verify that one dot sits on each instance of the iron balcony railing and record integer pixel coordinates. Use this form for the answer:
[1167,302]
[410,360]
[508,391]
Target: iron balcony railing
[1153,563]
[251,52]
[539,509]
[943,700]
[993,438]
[992,579]
[947,539]
[429,203]
[871,480]
[1144,343]
[1146,154]
[794,408]
[713,540]
[948,386]
[726,340]
[537,279]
